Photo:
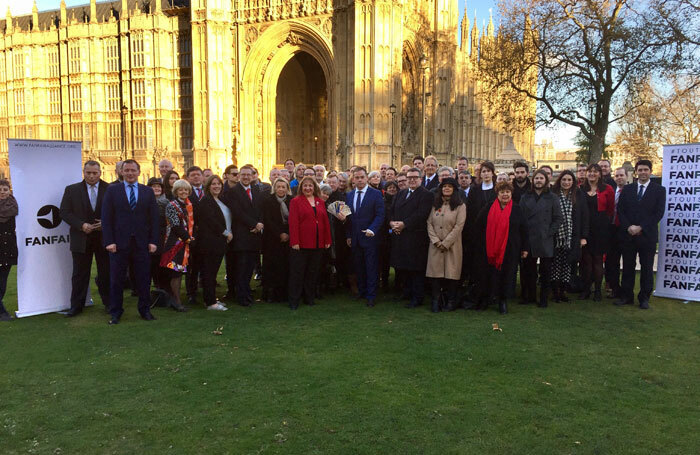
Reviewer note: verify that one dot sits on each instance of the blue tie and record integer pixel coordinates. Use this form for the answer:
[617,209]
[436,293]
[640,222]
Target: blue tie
[132,197]
[359,201]
[640,193]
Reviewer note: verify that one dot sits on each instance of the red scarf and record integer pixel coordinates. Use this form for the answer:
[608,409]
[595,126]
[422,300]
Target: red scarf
[497,227]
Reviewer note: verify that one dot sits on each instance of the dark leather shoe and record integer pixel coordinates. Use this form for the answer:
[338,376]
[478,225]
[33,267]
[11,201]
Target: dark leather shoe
[412,304]
[370,303]
[114,321]
[597,296]
[148,317]
[73,312]
[435,306]
[502,308]
[622,302]
[644,304]
[192,301]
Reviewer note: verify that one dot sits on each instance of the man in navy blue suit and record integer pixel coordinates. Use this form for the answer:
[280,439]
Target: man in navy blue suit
[367,206]
[640,208]
[130,230]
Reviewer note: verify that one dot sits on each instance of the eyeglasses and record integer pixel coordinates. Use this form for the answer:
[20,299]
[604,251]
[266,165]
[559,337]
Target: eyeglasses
[413,177]
[233,173]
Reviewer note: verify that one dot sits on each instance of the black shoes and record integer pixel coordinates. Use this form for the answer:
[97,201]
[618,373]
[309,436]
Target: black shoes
[502,307]
[435,306]
[6,317]
[370,303]
[597,296]
[148,317]
[73,312]
[623,301]
[585,295]
[644,304]
[113,321]
[191,300]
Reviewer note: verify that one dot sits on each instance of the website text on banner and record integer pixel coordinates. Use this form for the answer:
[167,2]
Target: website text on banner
[45,263]
[678,271]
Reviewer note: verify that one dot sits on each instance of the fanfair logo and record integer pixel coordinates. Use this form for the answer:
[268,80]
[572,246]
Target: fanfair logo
[48,217]
[52,220]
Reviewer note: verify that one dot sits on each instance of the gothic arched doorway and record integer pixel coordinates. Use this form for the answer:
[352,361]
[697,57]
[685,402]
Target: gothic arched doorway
[302,111]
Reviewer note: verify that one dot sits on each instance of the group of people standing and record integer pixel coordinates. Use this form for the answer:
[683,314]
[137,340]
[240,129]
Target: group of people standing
[457,237]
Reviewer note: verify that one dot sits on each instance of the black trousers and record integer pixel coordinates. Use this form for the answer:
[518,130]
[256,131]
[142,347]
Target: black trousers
[528,276]
[230,272]
[245,264]
[210,267]
[194,269]
[612,262]
[413,282]
[4,273]
[450,286]
[304,265]
[646,252]
[82,266]
[140,260]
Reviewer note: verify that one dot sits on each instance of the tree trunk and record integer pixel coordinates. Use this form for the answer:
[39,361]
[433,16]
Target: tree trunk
[597,142]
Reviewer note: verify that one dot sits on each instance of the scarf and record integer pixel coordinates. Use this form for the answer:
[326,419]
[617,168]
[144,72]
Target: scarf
[566,227]
[8,208]
[284,210]
[497,228]
[186,216]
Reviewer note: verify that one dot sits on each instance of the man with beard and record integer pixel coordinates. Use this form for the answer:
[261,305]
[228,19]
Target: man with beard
[542,213]
[409,236]
[605,172]
[522,181]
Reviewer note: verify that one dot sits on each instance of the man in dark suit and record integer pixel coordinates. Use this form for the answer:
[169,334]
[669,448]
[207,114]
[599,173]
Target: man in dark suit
[367,207]
[130,232]
[465,184]
[81,208]
[430,180]
[246,203]
[195,177]
[409,238]
[640,208]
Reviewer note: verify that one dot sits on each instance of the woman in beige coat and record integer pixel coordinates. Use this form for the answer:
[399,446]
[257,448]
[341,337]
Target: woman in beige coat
[445,253]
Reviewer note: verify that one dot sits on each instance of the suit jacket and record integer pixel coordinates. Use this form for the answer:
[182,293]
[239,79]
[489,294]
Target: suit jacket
[370,216]
[543,217]
[274,225]
[434,183]
[646,213]
[478,199]
[120,223]
[409,250]
[211,226]
[246,214]
[305,226]
[76,210]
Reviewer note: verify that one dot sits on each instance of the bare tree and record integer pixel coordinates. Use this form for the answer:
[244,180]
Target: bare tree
[571,54]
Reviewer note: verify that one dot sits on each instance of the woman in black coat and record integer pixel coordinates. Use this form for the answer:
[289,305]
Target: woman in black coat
[572,234]
[276,241]
[8,241]
[500,264]
[213,220]
[390,191]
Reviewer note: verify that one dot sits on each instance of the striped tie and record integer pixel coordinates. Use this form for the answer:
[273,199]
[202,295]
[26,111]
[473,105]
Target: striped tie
[132,197]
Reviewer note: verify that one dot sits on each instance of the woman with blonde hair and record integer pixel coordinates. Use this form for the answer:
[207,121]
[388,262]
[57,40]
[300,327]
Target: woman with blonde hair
[275,242]
[179,229]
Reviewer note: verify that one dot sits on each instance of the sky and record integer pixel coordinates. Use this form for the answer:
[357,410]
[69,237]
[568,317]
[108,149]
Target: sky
[561,137]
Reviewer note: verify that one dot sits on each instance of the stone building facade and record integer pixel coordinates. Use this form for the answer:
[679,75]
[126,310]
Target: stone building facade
[210,82]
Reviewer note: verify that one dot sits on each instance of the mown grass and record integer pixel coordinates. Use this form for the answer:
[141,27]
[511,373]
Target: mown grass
[340,378]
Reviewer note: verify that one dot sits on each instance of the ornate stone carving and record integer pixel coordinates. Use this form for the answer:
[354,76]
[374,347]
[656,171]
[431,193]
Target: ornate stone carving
[251,35]
[327,27]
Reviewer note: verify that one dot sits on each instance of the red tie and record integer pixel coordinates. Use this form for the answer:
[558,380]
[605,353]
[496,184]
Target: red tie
[250,196]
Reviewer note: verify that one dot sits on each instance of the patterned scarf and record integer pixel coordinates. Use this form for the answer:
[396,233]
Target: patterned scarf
[566,227]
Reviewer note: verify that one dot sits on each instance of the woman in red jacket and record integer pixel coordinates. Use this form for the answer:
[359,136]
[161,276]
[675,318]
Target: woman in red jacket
[600,199]
[309,235]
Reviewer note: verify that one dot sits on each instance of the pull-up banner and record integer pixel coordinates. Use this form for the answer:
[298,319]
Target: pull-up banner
[40,171]
[678,270]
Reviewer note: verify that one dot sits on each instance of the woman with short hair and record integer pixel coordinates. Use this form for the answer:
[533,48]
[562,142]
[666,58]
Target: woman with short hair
[309,235]
[8,240]
[275,243]
[179,215]
[213,220]
[445,225]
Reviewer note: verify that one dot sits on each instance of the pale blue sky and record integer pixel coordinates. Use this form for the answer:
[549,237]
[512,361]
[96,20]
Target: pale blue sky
[562,137]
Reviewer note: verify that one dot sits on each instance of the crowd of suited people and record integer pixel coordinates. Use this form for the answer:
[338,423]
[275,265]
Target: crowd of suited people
[454,238]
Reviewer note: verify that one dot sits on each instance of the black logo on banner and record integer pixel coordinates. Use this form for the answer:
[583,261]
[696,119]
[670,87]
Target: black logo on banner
[48,217]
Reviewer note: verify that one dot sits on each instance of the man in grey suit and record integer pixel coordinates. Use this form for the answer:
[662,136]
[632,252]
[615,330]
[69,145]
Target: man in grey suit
[80,208]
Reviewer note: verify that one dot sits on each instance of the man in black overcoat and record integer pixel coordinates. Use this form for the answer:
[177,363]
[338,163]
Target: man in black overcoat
[246,204]
[409,236]
[80,208]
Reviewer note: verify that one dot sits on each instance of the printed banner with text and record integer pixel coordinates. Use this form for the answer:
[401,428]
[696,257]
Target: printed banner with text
[40,171]
[678,271]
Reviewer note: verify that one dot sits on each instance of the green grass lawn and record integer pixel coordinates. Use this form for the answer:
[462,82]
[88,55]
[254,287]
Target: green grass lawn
[340,378]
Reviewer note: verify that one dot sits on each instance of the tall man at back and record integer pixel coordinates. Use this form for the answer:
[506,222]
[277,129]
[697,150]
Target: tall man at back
[81,208]
[640,208]
[367,206]
[130,231]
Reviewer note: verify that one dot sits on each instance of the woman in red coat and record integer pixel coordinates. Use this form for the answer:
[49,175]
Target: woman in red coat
[309,235]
